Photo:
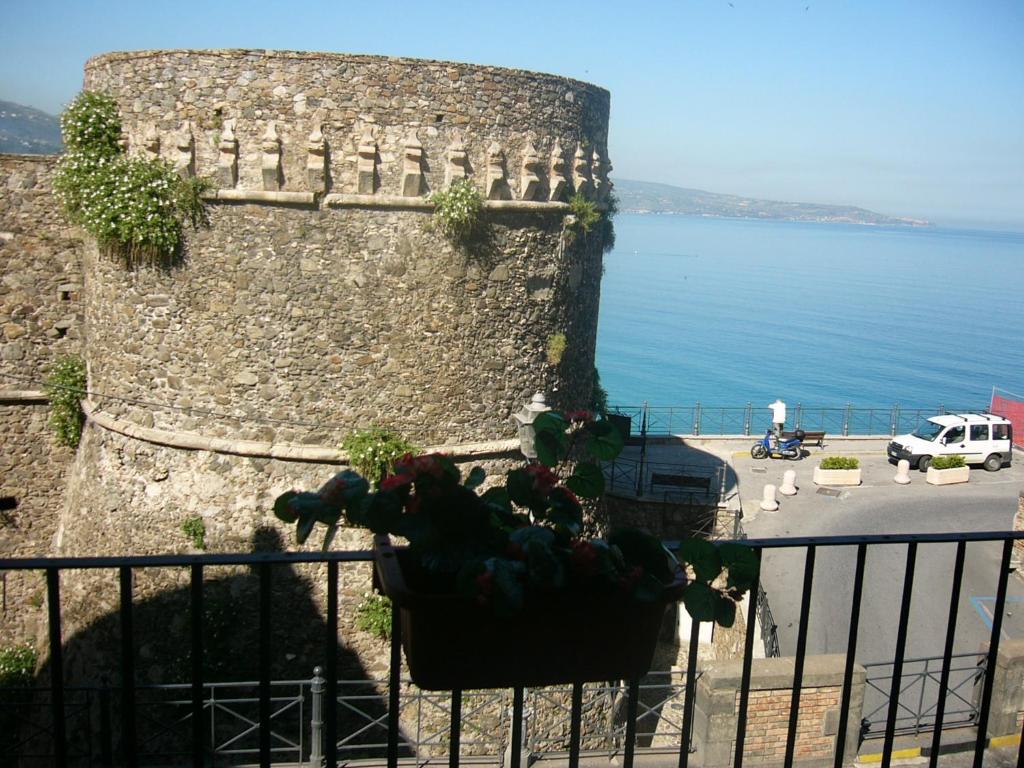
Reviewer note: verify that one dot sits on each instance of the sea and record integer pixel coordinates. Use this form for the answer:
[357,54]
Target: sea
[723,312]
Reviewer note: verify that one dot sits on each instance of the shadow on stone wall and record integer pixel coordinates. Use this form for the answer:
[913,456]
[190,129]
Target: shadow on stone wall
[162,630]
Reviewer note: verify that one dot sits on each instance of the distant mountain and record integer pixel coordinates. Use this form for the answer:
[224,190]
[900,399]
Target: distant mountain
[27,131]
[648,197]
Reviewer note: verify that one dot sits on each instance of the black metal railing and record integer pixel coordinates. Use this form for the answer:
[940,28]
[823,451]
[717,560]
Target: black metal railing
[193,700]
[838,421]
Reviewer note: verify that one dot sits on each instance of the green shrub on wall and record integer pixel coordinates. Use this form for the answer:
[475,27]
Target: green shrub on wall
[17,665]
[194,529]
[373,615]
[457,211]
[373,451]
[840,462]
[589,219]
[65,387]
[135,208]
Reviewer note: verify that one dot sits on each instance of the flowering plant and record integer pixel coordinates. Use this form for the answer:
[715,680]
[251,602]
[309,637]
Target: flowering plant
[457,210]
[522,540]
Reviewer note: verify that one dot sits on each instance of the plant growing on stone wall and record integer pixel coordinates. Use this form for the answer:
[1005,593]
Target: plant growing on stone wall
[457,211]
[194,528]
[589,219]
[65,387]
[17,665]
[598,395]
[134,207]
[374,451]
[373,615]
[557,344]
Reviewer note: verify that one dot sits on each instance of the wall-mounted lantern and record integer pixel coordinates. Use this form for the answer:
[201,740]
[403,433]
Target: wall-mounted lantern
[524,423]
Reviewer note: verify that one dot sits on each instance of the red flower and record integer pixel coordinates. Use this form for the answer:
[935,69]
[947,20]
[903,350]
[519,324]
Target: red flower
[333,491]
[583,559]
[583,416]
[544,480]
[485,586]
[393,482]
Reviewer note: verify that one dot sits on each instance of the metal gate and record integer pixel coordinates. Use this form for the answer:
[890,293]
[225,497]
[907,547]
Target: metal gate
[920,685]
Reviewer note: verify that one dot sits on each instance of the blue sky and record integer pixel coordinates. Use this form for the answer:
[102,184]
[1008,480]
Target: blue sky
[909,108]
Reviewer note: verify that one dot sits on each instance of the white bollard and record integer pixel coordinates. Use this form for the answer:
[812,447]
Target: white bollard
[768,502]
[788,487]
[902,472]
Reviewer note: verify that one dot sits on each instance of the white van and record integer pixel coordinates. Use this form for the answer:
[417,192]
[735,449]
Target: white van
[980,438]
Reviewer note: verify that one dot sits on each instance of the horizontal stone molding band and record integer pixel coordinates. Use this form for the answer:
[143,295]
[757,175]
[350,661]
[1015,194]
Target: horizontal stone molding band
[268,450]
[260,196]
[348,200]
[23,397]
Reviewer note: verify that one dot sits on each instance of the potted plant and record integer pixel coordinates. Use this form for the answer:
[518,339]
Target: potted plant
[837,470]
[500,587]
[946,470]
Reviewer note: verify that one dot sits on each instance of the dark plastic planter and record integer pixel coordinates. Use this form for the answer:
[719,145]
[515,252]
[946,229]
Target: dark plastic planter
[451,644]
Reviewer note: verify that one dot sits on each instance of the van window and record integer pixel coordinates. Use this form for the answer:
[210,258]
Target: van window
[954,435]
[979,431]
[1000,431]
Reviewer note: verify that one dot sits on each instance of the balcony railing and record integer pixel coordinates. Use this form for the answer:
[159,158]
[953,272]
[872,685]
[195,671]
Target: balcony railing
[677,715]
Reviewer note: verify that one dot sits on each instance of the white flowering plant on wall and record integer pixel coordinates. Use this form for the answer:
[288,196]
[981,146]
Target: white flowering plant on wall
[457,211]
[134,207]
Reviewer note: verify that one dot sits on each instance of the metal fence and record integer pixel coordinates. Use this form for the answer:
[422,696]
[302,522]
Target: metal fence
[748,419]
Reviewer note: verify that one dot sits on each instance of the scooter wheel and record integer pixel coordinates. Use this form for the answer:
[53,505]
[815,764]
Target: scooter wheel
[758,451]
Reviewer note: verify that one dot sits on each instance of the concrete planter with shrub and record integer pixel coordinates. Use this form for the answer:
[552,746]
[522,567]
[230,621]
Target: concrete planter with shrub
[947,470]
[837,470]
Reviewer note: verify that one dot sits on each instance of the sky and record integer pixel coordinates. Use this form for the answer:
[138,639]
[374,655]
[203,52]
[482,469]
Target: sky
[906,107]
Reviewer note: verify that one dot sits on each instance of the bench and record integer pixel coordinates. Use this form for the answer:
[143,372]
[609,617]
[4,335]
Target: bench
[695,482]
[818,438]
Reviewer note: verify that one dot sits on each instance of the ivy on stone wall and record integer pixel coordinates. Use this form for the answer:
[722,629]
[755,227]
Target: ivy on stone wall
[65,387]
[134,207]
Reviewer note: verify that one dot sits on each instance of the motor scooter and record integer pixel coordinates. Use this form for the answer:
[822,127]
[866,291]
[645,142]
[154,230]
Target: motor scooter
[790,448]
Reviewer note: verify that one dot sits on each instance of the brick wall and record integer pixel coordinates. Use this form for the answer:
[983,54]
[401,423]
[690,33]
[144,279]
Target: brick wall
[768,723]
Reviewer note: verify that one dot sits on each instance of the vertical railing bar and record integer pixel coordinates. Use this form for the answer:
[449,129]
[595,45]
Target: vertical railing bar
[516,747]
[576,718]
[264,651]
[196,608]
[851,654]
[748,655]
[947,653]
[901,645]
[632,706]
[801,652]
[993,653]
[56,668]
[688,696]
[455,731]
[331,686]
[128,750]
[1020,749]
[394,681]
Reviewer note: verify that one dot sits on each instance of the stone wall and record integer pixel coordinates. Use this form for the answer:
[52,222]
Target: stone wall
[1007,706]
[40,320]
[767,724]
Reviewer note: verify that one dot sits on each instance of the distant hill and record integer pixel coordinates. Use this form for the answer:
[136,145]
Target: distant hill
[648,197]
[27,131]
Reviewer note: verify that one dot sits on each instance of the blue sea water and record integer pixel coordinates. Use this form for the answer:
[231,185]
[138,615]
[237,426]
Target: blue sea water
[729,311]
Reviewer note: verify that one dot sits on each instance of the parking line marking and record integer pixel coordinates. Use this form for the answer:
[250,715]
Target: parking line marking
[986,615]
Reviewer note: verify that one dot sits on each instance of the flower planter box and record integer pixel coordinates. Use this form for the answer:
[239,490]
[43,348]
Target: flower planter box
[451,644]
[948,476]
[836,476]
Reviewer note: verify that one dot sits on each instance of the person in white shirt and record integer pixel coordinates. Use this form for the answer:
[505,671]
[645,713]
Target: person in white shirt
[778,419]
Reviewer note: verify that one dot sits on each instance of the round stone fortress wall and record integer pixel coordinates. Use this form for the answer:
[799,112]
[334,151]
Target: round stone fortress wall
[319,299]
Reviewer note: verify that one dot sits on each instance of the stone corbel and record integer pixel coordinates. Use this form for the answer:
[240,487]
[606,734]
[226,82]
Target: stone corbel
[458,161]
[600,169]
[271,164]
[497,186]
[581,173]
[227,158]
[529,183]
[151,143]
[366,165]
[412,167]
[185,158]
[558,178]
[316,158]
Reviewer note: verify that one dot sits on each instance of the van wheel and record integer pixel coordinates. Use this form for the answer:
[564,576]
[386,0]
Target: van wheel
[923,463]
[993,463]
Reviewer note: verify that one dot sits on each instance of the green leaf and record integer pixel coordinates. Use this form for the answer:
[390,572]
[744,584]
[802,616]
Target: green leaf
[550,438]
[283,510]
[476,476]
[384,512]
[703,556]
[519,485]
[497,497]
[743,564]
[307,519]
[587,481]
[725,611]
[605,441]
[565,511]
[643,549]
[701,601]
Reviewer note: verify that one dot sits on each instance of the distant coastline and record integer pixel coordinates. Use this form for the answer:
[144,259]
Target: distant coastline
[645,197]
